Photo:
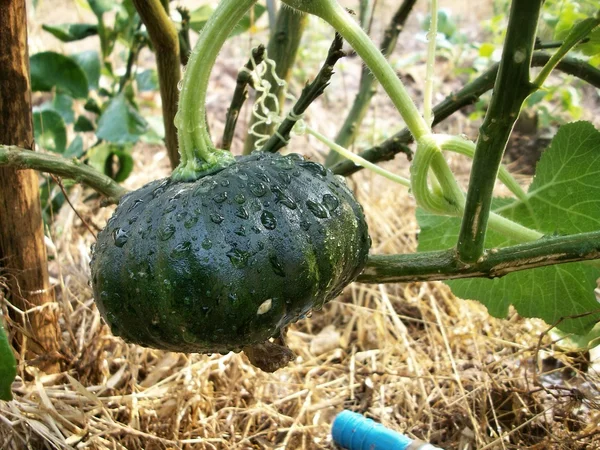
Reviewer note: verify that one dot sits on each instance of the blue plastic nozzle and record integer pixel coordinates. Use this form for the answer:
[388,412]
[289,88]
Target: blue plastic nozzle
[352,431]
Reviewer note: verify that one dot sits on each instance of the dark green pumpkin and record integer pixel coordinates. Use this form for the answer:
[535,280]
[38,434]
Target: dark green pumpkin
[228,260]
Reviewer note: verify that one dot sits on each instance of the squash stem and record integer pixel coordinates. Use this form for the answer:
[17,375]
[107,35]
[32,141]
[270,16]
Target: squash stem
[198,154]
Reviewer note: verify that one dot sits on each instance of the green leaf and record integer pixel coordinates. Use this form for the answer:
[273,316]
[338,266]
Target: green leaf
[75,149]
[83,125]
[199,17]
[564,198]
[112,160]
[592,46]
[92,106]
[63,104]
[120,123]
[102,6]
[69,32]
[50,130]
[8,366]
[90,63]
[248,20]
[52,70]
[147,80]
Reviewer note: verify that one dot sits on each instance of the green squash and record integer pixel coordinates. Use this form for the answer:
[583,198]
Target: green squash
[230,259]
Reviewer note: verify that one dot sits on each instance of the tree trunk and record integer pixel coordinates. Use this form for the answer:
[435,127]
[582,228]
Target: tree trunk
[22,249]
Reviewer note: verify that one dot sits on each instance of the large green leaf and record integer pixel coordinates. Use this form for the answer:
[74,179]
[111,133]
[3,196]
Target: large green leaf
[50,70]
[69,32]
[120,123]
[62,104]
[147,80]
[8,366]
[50,130]
[564,198]
[89,61]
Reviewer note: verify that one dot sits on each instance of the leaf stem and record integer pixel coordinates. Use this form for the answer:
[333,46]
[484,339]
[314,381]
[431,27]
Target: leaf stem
[432,37]
[512,87]
[357,159]
[445,265]
[19,158]
[577,34]
[368,84]
[466,147]
[165,40]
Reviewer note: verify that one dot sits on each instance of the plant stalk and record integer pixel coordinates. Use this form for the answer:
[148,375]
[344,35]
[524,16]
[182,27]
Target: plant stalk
[19,158]
[165,40]
[445,264]
[198,154]
[368,84]
[511,89]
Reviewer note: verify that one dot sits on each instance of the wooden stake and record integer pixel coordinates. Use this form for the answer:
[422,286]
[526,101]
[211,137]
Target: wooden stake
[22,250]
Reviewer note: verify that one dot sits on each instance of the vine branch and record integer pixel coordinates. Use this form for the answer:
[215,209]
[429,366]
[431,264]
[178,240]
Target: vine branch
[165,40]
[309,94]
[240,95]
[19,158]
[368,84]
[468,95]
[511,88]
[445,264]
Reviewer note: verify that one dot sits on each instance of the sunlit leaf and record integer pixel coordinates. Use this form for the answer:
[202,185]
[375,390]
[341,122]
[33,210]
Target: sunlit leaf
[563,199]
[50,130]
[51,70]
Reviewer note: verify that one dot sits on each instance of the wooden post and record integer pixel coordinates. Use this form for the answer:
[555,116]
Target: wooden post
[22,249]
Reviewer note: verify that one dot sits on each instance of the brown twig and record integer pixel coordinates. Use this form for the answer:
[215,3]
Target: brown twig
[309,94]
[240,95]
[165,40]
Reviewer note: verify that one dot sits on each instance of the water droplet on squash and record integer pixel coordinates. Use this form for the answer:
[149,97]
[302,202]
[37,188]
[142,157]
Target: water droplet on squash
[181,249]
[207,244]
[285,177]
[120,237]
[225,182]
[317,209]
[268,220]
[264,177]
[135,204]
[216,218]
[283,198]
[241,231]
[331,202]
[160,189]
[166,232]
[220,197]
[283,163]
[314,168]
[242,213]
[276,266]
[238,258]
[259,188]
[240,198]
[205,187]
